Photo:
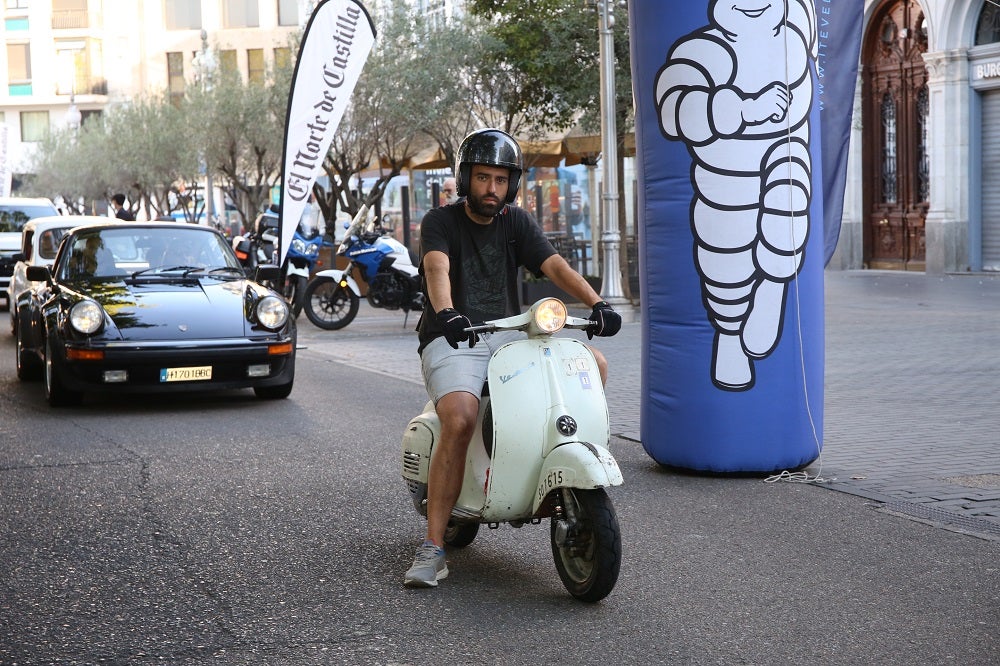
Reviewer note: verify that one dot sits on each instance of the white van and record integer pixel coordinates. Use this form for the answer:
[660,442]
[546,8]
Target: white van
[14,212]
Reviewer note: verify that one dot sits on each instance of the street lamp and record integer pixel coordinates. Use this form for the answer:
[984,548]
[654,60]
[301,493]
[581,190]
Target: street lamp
[611,287]
[73,116]
[205,65]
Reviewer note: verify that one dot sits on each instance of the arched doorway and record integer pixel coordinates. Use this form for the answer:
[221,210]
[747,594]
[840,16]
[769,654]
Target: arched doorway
[895,108]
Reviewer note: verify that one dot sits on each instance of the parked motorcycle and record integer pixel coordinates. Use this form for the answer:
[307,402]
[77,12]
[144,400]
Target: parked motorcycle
[540,450]
[257,247]
[332,297]
[302,255]
[260,246]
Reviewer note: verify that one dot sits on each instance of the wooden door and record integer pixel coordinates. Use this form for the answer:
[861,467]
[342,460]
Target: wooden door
[895,109]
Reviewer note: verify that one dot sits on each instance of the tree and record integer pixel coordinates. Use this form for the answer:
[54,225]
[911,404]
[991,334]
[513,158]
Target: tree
[240,129]
[141,148]
[522,76]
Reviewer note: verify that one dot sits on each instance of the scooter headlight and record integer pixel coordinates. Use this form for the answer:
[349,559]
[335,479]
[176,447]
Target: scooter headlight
[550,315]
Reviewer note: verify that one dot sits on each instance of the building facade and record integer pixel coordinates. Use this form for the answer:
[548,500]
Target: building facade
[923,189]
[65,60]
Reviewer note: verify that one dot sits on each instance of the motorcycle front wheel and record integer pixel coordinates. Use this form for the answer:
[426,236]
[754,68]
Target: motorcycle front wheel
[588,550]
[295,293]
[330,306]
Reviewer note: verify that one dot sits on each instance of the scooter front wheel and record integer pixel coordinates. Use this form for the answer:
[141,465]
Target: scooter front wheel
[587,544]
[329,305]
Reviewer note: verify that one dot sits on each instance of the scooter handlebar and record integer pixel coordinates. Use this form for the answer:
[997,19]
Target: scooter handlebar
[503,325]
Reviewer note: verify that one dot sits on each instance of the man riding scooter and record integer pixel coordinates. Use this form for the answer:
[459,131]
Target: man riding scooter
[470,253]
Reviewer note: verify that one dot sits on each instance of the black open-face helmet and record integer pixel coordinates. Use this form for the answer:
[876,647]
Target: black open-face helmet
[492,147]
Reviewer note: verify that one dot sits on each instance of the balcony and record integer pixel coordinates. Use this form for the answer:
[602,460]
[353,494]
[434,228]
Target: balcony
[83,86]
[67,19]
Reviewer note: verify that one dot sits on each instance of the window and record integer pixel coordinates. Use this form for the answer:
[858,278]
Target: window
[17,4]
[18,63]
[228,62]
[255,65]
[182,14]
[240,14]
[889,190]
[282,57]
[34,125]
[988,28]
[288,12]
[175,77]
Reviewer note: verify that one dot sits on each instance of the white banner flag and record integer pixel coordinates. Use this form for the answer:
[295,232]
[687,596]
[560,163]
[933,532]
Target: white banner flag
[335,46]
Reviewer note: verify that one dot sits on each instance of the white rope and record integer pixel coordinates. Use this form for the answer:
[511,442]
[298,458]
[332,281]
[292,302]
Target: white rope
[797,477]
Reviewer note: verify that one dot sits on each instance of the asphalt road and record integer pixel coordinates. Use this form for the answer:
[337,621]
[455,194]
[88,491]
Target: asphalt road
[218,529]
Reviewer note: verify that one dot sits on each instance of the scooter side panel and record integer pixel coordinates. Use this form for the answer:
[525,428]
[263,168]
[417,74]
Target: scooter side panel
[532,384]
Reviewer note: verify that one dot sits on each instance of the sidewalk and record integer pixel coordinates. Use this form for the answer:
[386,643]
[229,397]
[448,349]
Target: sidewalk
[912,374]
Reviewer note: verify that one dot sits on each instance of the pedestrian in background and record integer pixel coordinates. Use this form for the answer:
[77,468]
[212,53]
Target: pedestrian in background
[122,213]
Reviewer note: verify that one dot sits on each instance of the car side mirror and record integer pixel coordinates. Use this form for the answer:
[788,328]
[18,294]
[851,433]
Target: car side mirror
[267,273]
[38,274]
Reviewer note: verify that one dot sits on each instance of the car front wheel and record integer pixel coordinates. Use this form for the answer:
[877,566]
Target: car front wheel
[55,391]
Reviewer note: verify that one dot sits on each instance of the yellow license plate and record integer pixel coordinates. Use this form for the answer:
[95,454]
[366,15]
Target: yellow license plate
[196,374]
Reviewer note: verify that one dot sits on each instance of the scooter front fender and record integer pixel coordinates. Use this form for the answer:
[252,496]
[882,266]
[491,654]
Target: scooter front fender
[337,275]
[576,465]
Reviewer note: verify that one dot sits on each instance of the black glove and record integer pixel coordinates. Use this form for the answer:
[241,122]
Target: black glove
[454,323]
[606,322]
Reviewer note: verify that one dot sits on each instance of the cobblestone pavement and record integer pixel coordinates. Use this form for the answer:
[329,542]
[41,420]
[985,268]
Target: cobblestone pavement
[911,416]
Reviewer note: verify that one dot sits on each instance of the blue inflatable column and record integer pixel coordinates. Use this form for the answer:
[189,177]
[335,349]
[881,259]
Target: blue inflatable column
[730,120]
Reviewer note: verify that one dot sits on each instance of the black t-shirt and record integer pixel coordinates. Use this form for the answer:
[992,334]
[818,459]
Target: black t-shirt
[483,261]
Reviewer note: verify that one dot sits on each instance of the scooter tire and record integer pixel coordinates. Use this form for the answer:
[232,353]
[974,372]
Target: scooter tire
[589,566]
[460,535]
[328,305]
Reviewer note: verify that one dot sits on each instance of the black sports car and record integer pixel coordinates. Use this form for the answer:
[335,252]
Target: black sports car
[130,307]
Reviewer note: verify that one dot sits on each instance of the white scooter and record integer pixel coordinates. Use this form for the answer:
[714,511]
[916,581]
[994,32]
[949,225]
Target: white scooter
[540,450]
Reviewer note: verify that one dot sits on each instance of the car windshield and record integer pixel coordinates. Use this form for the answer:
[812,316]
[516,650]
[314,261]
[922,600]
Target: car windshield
[12,218]
[114,251]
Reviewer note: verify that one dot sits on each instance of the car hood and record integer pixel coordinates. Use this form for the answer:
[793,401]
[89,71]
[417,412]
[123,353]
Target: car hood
[194,309]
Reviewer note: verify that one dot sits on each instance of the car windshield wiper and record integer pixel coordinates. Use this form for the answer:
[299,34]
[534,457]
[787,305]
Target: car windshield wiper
[226,269]
[156,270]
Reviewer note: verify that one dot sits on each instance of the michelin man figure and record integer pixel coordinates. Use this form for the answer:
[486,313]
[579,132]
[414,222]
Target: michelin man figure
[738,93]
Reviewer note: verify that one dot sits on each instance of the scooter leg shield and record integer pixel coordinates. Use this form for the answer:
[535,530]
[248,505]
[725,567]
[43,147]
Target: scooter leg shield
[418,443]
[577,465]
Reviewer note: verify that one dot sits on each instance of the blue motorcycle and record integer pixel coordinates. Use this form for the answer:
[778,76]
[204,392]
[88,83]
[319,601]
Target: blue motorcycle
[303,253]
[333,297]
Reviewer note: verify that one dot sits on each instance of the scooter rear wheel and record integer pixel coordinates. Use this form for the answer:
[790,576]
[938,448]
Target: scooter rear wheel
[587,553]
[460,535]
[330,306]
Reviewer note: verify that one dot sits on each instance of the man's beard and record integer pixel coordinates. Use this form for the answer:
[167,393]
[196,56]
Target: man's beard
[481,207]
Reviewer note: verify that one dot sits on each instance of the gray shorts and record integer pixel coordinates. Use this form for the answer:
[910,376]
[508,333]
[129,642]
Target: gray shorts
[447,370]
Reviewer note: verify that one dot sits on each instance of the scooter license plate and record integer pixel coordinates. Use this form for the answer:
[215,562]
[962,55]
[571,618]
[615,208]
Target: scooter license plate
[192,374]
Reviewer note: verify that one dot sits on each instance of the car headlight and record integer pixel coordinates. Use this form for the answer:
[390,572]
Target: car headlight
[272,312]
[550,315]
[87,317]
